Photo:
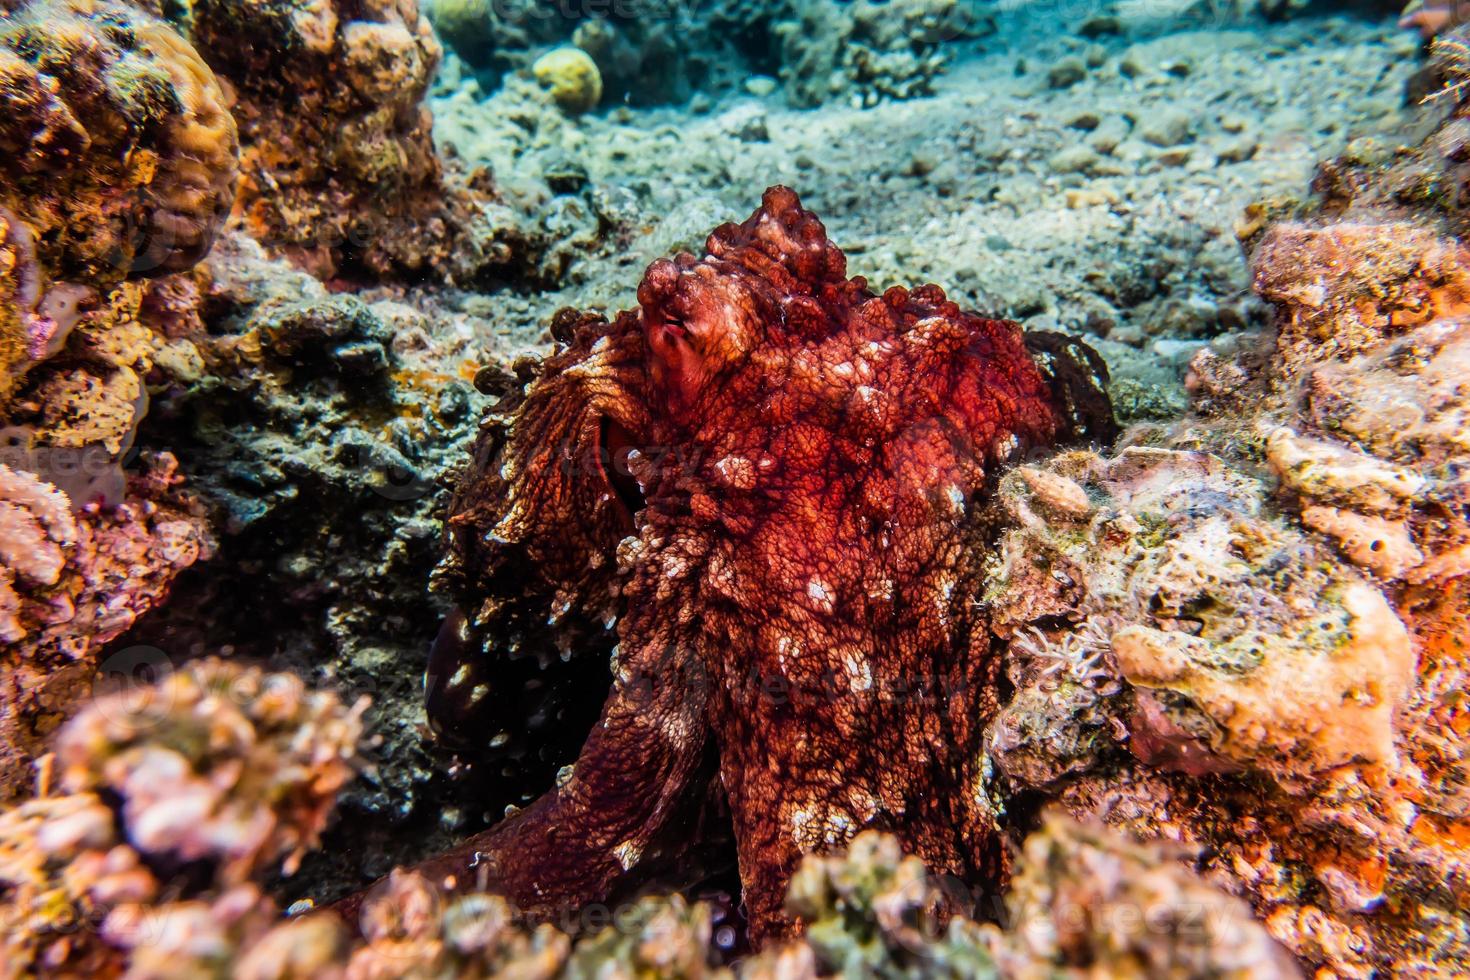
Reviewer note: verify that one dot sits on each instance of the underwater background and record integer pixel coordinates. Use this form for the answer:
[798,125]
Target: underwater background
[275,276]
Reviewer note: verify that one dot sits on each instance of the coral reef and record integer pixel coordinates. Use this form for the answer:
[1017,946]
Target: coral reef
[868,51]
[74,583]
[339,170]
[38,524]
[121,151]
[315,439]
[572,78]
[121,165]
[500,35]
[216,762]
[659,51]
[1245,645]
[792,584]
[24,334]
[1085,903]
[177,796]
[1084,898]
[1268,589]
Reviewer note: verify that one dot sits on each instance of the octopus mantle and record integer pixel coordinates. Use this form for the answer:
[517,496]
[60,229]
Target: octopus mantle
[762,489]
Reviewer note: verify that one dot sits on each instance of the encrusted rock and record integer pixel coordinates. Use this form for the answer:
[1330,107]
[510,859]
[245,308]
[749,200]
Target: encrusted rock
[73,583]
[179,796]
[1269,656]
[121,151]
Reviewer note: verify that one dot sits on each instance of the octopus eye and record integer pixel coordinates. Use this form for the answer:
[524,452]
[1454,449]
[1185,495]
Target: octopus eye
[615,443]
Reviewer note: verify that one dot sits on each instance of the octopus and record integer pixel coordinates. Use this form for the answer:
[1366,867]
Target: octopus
[761,496]
[1433,17]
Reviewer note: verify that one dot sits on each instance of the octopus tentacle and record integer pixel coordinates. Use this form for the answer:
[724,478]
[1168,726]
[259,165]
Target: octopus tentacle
[636,773]
[517,673]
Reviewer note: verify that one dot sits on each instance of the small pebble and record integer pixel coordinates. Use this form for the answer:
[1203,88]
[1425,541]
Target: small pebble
[1108,134]
[1237,150]
[760,86]
[1174,156]
[1167,126]
[1066,72]
[923,162]
[1073,159]
[1099,25]
[1091,197]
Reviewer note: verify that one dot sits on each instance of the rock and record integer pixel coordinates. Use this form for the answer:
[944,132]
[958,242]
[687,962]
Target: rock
[1072,159]
[1091,197]
[564,175]
[747,122]
[1099,25]
[760,86]
[1174,156]
[922,163]
[1237,150]
[1066,72]
[1108,134]
[1167,126]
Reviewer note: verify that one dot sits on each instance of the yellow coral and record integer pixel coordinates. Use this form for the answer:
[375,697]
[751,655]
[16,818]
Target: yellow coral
[123,150]
[572,78]
[17,288]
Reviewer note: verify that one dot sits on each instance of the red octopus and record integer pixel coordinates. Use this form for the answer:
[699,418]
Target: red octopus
[766,487]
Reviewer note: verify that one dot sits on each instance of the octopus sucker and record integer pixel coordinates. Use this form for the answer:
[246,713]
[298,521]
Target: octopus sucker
[781,475]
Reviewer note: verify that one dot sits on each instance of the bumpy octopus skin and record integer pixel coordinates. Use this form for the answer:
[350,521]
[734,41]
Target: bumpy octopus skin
[766,486]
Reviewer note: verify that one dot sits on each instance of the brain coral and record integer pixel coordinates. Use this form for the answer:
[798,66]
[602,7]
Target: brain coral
[121,153]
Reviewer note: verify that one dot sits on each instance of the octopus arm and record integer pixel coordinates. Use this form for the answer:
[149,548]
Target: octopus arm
[633,778]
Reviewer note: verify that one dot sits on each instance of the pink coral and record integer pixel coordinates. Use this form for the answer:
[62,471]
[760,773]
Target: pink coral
[73,583]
